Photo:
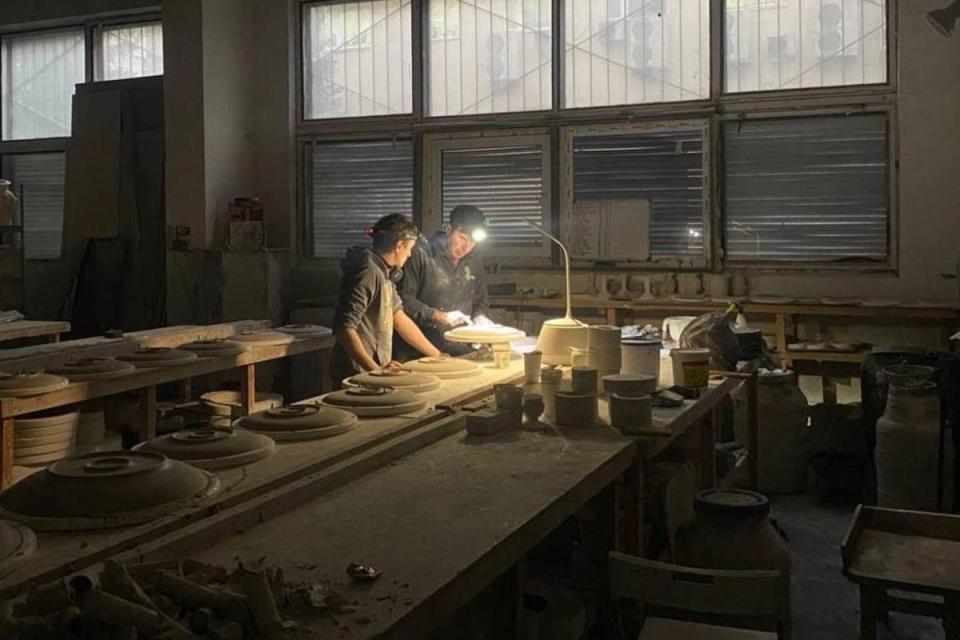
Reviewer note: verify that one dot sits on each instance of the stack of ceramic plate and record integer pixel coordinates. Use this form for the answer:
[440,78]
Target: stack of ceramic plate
[21,385]
[82,369]
[214,348]
[155,357]
[227,403]
[263,338]
[299,422]
[306,330]
[45,439]
[444,368]
[395,379]
[211,447]
[104,490]
[366,401]
[603,349]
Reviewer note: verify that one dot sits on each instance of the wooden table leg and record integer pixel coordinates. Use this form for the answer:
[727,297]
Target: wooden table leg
[186,390]
[148,413]
[611,316]
[629,509]
[248,389]
[707,447]
[753,432]
[6,452]
[781,319]
[870,608]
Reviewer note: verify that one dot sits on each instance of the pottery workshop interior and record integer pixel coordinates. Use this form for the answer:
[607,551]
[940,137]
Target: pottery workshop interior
[480,319]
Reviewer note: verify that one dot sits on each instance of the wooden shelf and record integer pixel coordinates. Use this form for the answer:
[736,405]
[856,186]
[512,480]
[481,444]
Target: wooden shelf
[828,356]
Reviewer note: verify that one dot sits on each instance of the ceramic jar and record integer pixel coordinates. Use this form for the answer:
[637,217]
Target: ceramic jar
[8,203]
[783,435]
[908,436]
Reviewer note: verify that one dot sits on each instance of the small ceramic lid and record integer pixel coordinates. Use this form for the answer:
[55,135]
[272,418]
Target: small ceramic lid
[372,401]
[263,338]
[106,489]
[149,357]
[17,543]
[731,502]
[306,330]
[778,376]
[82,369]
[299,422]
[20,385]
[484,334]
[395,379]
[214,348]
[629,383]
[444,368]
[211,447]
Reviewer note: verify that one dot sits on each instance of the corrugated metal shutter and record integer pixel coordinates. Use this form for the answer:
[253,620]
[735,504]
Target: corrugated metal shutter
[40,176]
[807,189]
[664,167]
[506,183]
[355,184]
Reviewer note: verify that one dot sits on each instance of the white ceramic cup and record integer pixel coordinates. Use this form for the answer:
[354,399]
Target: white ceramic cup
[532,362]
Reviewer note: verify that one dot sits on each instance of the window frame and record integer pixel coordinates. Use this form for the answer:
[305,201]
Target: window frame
[431,209]
[567,136]
[95,31]
[719,107]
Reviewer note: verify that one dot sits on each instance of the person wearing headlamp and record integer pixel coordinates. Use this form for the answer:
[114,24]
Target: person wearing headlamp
[443,284]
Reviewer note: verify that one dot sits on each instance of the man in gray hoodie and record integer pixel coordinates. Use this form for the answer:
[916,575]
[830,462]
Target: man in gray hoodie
[370,309]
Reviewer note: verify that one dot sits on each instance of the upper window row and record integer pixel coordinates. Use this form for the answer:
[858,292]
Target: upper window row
[38,72]
[494,56]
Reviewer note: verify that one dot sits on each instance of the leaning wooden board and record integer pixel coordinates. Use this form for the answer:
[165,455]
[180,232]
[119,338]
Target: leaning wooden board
[441,523]
[60,554]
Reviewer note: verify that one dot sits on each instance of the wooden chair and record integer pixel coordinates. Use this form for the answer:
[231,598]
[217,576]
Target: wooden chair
[760,596]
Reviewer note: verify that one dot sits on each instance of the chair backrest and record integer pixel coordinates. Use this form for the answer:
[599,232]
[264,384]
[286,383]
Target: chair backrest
[727,593]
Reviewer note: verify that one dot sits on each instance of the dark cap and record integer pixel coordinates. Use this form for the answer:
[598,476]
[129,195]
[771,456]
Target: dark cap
[467,217]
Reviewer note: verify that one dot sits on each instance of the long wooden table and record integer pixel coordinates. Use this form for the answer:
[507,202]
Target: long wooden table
[33,328]
[146,381]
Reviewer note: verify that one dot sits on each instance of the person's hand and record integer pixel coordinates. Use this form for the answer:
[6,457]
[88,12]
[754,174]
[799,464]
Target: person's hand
[482,321]
[393,364]
[451,318]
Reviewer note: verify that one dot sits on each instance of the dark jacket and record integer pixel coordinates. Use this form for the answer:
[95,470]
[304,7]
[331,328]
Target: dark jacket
[368,300]
[431,282]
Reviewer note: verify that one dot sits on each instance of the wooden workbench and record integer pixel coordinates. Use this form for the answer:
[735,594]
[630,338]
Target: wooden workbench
[146,381]
[33,328]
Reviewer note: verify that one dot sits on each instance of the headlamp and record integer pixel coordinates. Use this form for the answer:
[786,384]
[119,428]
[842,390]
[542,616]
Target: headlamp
[479,234]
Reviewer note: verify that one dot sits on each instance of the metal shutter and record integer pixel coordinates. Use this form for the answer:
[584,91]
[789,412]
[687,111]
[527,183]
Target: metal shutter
[506,183]
[40,177]
[666,168]
[355,184]
[807,189]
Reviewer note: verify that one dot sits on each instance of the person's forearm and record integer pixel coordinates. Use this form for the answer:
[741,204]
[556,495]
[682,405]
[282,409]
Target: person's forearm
[355,349]
[410,332]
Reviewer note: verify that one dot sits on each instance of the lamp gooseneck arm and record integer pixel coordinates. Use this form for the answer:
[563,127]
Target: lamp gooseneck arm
[566,263]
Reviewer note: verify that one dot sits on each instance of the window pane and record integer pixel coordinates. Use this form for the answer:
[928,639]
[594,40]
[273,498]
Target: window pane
[39,72]
[506,183]
[357,59]
[354,184]
[130,51]
[792,44]
[38,178]
[489,57]
[807,189]
[665,168]
[636,51]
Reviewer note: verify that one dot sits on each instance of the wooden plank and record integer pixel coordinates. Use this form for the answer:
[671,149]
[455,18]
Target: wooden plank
[6,451]
[248,389]
[31,329]
[148,413]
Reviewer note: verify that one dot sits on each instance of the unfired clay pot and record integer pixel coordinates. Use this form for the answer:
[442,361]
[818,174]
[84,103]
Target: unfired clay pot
[211,448]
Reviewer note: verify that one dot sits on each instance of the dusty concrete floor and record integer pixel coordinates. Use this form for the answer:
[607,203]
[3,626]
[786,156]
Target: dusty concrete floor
[825,604]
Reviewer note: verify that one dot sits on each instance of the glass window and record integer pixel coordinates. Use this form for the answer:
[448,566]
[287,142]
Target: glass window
[357,59]
[354,184]
[664,168]
[507,182]
[793,44]
[38,73]
[807,189]
[636,51]
[129,51]
[489,57]
[38,179]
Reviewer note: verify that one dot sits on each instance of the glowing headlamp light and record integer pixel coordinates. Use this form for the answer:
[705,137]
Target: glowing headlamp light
[479,234]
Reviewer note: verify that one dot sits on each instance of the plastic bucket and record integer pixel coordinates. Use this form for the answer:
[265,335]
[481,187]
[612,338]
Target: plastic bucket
[641,357]
[691,367]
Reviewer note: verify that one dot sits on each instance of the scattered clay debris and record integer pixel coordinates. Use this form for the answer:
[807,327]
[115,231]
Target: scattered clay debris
[362,573]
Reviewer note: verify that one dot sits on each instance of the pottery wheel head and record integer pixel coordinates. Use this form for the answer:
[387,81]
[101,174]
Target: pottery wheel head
[389,373]
[107,464]
[368,391]
[293,411]
[202,436]
[152,350]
